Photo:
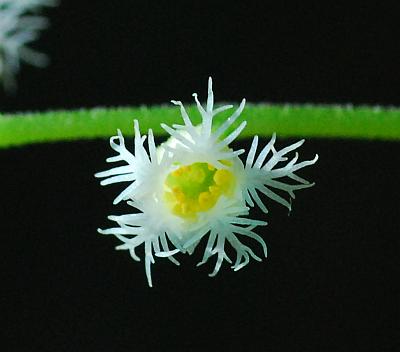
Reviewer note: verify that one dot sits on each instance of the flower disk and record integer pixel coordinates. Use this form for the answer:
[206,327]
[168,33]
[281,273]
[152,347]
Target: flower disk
[195,185]
[196,188]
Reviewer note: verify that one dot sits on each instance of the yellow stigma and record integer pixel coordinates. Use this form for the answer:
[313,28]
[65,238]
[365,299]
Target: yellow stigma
[196,187]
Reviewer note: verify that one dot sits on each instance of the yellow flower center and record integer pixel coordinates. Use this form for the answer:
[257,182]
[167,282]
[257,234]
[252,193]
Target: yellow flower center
[197,187]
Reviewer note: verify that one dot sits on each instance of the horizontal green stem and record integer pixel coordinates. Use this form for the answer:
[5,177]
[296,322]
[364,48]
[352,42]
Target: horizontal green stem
[263,119]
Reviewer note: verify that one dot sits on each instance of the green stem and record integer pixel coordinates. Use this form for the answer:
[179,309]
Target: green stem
[263,119]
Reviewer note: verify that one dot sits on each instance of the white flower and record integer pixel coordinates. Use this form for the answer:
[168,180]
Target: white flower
[19,26]
[195,185]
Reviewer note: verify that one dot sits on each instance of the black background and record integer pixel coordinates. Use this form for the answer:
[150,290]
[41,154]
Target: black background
[330,281]
[131,52]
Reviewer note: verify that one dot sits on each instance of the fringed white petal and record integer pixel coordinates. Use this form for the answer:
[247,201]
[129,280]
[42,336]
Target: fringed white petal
[200,143]
[225,223]
[141,170]
[260,176]
[148,228]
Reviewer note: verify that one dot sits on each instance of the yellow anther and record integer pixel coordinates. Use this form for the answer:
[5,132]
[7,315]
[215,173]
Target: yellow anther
[215,190]
[179,195]
[185,208]
[177,209]
[222,177]
[206,200]
[177,172]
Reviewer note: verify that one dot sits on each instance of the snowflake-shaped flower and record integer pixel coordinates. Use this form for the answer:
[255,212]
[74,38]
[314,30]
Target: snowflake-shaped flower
[20,26]
[195,186]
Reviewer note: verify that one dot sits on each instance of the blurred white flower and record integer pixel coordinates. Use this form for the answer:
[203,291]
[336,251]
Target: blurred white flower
[20,25]
[195,185]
